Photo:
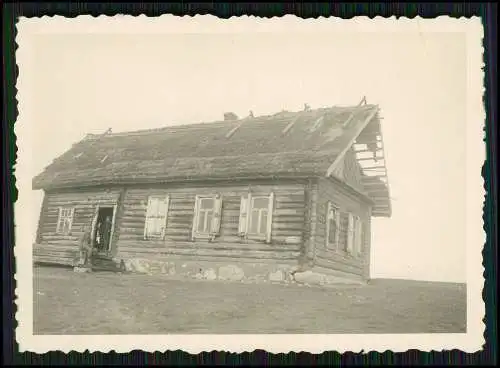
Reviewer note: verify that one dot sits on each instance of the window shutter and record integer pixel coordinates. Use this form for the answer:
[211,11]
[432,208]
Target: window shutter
[165,216]
[195,217]
[94,224]
[148,216]
[58,225]
[337,233]
[270,217]
[71,219]
[359,235]
[244,209]
[350,233]
[216,219]
[113,225]
[327,227]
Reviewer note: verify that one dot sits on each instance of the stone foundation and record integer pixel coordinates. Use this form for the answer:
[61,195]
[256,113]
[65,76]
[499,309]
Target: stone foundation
[206,270]
[235,271]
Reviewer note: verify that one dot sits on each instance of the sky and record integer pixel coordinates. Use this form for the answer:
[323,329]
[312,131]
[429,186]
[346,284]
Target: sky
[87,83]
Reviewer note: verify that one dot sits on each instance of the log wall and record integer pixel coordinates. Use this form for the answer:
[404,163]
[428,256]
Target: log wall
[348,202]
[299,211]
[63,248]
[288,221]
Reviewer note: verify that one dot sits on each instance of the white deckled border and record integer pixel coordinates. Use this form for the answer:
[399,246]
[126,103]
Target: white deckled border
[26,216]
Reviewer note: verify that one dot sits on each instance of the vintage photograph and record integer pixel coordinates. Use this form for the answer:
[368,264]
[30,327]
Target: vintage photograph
[250,181]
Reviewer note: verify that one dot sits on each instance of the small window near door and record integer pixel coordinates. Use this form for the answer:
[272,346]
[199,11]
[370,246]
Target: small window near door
[156,217]
[65,220]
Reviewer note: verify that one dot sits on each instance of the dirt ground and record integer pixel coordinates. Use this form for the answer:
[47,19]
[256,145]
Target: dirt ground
[66,302]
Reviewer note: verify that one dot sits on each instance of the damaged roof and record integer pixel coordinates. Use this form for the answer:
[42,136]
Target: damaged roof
[286,144]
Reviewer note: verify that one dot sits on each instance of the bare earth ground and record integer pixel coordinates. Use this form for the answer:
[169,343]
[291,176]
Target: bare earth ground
[104,303]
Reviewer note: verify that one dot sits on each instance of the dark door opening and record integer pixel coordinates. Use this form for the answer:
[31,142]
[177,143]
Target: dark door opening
[103,229]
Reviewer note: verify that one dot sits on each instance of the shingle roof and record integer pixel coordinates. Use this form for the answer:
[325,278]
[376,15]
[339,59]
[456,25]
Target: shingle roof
[284,144]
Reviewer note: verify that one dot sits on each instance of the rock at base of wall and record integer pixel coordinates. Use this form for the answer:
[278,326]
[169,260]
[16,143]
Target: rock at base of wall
[231,273]
[209,274]
[316,278]
[80,269]
[277,276]
[309,277]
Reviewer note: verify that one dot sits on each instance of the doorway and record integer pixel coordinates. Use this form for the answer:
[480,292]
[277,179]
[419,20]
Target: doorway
[103,229]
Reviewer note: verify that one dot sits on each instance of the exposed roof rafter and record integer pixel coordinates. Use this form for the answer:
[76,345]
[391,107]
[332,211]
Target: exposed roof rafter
[351,142]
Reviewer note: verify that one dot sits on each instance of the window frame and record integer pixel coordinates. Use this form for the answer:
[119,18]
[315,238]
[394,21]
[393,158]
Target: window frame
[332,208]
[207,224]
[259,235]
[246,210]
[212,227]
[349,249]
[61,218]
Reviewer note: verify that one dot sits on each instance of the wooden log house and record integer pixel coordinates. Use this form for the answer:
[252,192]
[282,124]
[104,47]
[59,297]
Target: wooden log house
[289,191]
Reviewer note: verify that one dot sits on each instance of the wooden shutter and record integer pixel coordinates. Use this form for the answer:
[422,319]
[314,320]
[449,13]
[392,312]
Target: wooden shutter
[327,227]
[350,233]
[244,214]
[195,217]
[270,208]
[166,205]
[337,233]
[216,218]
[146,220]
[358,235]
[58,225]
[113,221]
[150,216]
[70,225]
[94,224]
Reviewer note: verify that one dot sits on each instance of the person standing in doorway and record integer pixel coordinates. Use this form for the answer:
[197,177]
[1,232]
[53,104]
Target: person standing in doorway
[106,233]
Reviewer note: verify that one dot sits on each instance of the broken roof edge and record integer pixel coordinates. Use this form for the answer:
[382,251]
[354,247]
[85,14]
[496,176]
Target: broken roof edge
[285,115]
[339,160]
[340,157]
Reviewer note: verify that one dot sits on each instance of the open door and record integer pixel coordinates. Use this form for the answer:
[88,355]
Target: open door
[103,228]
[113,222]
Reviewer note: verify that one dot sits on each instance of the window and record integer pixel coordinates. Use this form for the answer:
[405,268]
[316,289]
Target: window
[205,215]
[358,236]
[354,235]
[332,226]
[156,217]
[256,216]
[343,233]
[206,222]
[350,234]
[65,220]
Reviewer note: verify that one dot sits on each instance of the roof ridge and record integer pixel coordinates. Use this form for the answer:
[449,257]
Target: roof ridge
[286,115]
